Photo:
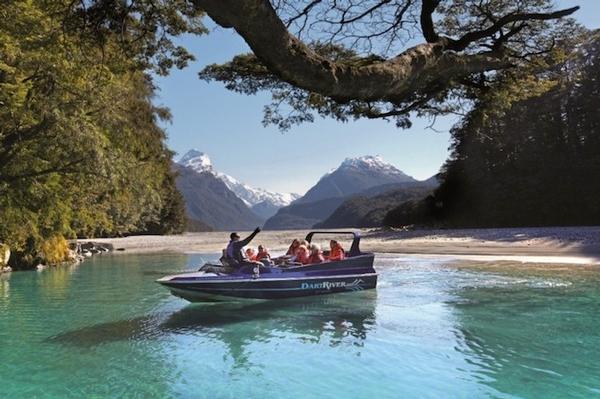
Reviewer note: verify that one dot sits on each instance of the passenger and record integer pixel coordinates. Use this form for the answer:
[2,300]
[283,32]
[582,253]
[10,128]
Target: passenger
[293,248]
[336,252]
[316,255]
[235,248]
[263,253]
[251,254]
[302,254]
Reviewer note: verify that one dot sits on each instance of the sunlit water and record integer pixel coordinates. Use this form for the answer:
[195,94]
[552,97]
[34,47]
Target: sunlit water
[430,330]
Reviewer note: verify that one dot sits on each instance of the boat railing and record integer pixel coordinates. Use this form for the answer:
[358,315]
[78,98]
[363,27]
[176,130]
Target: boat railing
[354,248]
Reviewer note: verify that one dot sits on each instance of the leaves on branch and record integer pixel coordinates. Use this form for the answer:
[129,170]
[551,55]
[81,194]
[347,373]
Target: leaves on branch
[469,41]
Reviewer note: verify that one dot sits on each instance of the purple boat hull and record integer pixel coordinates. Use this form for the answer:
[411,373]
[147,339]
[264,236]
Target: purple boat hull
[355,273]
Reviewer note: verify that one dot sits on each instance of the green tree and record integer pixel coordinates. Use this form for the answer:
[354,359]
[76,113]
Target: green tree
[528,161]
[81,152]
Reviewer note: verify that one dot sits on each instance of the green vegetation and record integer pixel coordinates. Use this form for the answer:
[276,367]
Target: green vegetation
[81,153]
[526,155]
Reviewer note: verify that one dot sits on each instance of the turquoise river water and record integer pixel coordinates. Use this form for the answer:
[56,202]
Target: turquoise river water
[432,329]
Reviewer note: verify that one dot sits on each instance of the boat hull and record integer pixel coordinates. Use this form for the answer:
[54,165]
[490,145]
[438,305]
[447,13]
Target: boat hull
[355,274]
[268,288]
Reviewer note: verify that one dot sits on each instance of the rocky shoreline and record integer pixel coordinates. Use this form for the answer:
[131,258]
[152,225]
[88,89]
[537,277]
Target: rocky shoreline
[78,252]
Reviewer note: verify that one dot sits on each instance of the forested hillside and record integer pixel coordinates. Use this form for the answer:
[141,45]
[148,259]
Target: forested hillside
[533,163]
[81,152]
[369,211]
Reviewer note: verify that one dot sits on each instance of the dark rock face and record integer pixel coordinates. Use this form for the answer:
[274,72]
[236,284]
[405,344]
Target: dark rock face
[369,211]
[210,203]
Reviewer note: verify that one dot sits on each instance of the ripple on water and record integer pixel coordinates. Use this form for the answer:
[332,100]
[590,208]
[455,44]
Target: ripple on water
[433,328]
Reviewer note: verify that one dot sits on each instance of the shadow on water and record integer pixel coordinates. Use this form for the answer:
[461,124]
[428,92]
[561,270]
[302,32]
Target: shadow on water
[340,319]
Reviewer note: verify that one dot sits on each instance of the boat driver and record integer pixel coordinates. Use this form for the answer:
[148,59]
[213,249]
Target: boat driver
[235,248]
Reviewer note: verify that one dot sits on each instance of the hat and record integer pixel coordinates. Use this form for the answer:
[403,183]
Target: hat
[234,235]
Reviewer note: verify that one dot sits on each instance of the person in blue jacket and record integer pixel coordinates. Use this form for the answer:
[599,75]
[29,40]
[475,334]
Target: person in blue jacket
[235,248]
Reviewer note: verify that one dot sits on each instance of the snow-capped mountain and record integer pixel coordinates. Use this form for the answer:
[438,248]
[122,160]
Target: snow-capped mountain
[253,196]
[196,160]
[374,164]
[366,176]
[264,203]
[210,204]
[355,175]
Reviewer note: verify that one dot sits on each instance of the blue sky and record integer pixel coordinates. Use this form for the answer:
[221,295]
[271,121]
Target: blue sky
[227,126]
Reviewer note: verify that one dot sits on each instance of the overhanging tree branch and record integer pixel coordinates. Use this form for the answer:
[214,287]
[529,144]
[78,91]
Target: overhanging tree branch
[394,80]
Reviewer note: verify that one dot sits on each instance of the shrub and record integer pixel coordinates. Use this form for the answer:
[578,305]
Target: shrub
[55,250]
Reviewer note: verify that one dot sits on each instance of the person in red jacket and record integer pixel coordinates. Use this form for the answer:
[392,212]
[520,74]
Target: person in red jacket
[302,254]
[336,251]
[263,253]
[251,254]
[316,255]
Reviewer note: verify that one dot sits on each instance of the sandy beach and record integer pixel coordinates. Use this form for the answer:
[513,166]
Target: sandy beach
[576,245]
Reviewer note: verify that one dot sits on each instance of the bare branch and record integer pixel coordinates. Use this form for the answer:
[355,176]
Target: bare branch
[427,9]
[470,37]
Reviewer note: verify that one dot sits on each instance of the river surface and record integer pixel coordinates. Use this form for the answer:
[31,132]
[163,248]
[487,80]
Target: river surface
[432,329]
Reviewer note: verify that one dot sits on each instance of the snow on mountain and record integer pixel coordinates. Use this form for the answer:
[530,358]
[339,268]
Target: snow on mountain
[371,163]
[196,160]
[366,176]
[374,164]
[355,175]
[251,196]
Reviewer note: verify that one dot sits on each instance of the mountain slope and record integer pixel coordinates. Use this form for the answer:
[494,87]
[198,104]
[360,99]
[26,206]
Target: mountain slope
[209,201]
[301,215]
[368,176]
[365,211]
[264,203]
[353,176]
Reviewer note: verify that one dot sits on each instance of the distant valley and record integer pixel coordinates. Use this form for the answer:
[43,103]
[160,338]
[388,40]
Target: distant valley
[215,200]
[367,183]
[357,193]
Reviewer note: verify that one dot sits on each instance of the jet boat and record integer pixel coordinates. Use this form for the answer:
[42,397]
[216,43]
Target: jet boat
[269,281]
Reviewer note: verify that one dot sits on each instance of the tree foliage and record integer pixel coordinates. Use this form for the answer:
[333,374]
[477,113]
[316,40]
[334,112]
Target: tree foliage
[527,154]
[81,152]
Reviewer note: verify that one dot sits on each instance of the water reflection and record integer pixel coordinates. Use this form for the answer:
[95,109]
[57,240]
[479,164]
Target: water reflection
[4,286]
[342,319]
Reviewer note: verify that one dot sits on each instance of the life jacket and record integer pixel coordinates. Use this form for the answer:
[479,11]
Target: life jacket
[262,255]
[337,253]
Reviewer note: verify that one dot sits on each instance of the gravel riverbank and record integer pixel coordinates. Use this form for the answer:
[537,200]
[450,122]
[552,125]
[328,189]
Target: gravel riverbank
[546,244]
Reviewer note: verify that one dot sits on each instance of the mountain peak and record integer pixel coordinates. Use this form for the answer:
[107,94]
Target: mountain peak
[251,196]
[365,161]
[373,164]
[196,160]
[355,175]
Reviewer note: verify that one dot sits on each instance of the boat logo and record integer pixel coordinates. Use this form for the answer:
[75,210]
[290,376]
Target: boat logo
[328,285]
